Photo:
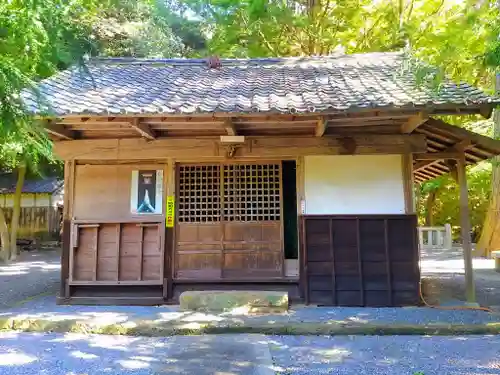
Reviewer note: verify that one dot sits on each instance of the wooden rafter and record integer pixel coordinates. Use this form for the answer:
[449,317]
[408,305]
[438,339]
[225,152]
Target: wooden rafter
[414,122]
[143,129]
[437,155]
[59,131]
[321,126]
[452,152]
[230,127]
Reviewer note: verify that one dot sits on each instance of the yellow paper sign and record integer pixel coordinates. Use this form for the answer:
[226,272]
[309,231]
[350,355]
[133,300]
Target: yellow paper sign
[170,212]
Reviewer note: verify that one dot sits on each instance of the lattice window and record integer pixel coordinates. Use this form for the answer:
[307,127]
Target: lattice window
[237,192]
[199,193]
[251,192]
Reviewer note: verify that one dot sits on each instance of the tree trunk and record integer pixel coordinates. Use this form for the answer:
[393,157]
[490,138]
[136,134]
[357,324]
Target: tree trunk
[21,173]
[4,238]
[490,234]
[429,205]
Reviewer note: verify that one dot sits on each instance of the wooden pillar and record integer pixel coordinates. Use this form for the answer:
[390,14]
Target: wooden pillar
[408,185]
[169,233]
[69,175]
[470,291]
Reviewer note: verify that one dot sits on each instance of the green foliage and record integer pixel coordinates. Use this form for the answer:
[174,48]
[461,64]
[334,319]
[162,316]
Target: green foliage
[145,28]
[446,208]
[443,38]
[40,37]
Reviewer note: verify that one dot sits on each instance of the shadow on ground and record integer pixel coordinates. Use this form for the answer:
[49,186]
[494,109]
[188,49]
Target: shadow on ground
[445,280]
[70,354]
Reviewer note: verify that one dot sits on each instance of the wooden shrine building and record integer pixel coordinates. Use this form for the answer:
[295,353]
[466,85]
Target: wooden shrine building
[291,174]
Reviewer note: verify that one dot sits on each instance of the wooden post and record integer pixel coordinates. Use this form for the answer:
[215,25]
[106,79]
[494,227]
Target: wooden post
[69,170]
[408,184]
[169,233]
[470,291]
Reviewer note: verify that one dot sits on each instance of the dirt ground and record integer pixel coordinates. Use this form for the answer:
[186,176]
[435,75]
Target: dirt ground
[444,280]
[34,273]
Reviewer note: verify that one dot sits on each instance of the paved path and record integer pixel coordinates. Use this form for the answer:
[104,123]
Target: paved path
[45,308]
[445,269]
[71,354]
[32,274]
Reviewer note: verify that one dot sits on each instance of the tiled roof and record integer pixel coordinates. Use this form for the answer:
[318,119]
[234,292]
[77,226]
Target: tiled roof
[282,85]
[46,185]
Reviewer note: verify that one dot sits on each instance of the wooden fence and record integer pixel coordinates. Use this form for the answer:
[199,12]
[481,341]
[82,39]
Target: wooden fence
[36,222]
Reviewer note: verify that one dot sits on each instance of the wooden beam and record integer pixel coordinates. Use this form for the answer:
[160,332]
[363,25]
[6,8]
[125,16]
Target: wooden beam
[486,110]
[452,152]
[414,122]
[59,131]
[143,129]
[254,147]
[230,127]
[321,126]
[438,155]
[465,226]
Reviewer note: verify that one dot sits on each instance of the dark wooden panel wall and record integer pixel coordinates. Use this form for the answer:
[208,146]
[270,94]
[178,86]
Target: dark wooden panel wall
[362,260]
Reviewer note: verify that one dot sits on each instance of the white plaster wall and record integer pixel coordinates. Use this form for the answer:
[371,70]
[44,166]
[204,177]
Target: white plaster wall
[354,184]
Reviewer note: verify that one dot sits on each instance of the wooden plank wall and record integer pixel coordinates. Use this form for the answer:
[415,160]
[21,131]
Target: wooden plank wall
[117,253]
[362,260]
[103,191]
[36,222]
[110,245]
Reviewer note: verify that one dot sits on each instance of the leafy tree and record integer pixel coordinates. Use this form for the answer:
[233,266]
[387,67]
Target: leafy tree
[39,37]
[145,28]
[459,39]
[36,38]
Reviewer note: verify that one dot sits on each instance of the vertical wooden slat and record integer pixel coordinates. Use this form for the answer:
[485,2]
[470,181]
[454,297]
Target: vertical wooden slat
[118,244]
[96,254]
[65,259]
[67,263]
[222,219]
[167,277]
[68,178]
[141,252]
[299,171]
[282,221]
[416,255]
[73,243]
[388,261]
[360,265]
[332,258]
[304,264]
[168,233]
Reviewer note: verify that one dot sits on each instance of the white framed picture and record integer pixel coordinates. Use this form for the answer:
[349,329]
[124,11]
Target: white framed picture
[146,192]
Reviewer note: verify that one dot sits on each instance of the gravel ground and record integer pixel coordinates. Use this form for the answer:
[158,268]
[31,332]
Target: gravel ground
[401,355]
[32,274]
[45,307]
[72,354]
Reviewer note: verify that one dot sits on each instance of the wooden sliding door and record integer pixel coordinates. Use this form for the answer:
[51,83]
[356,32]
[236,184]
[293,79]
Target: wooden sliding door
[229,222]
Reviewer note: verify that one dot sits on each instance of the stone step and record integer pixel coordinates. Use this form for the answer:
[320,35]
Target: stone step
[235,301]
